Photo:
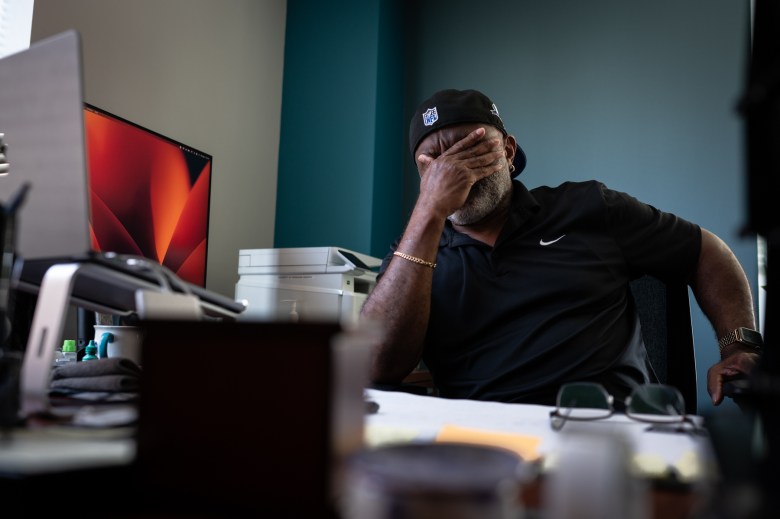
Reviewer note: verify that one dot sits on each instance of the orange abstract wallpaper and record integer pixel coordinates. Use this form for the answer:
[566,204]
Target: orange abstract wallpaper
[149,195]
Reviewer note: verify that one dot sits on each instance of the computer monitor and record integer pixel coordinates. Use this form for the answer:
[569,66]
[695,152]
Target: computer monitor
[149,194]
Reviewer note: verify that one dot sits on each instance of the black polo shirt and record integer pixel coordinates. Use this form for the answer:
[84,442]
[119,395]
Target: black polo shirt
[550,303]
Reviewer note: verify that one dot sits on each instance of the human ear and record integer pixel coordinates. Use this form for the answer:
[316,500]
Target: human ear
[510,148]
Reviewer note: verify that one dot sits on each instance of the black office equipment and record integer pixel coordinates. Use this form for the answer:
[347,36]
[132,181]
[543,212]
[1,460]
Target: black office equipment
[248,418]
[665,315]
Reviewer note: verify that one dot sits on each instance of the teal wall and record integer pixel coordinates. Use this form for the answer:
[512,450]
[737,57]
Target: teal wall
[640,95]
[339,158]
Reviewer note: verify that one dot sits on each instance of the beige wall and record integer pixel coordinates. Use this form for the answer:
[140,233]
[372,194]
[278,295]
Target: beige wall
[207,73]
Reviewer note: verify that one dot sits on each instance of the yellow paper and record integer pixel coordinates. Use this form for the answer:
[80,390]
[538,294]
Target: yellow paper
[525,446]
[376,435]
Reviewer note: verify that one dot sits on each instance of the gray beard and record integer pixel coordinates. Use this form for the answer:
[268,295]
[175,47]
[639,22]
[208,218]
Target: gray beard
[485,197]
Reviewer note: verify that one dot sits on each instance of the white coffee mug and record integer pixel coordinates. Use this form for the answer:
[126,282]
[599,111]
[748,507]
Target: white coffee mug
[118,341]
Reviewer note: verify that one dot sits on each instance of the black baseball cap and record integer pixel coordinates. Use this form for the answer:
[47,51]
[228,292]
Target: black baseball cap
[447,107]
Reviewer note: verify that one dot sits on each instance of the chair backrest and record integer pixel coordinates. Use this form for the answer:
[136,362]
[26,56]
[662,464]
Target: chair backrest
[665,315]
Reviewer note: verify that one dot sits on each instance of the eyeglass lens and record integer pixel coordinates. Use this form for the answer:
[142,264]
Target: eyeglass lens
[656,403]
[584,401]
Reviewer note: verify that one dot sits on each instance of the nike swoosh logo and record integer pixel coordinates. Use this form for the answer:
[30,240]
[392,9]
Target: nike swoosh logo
[545,243]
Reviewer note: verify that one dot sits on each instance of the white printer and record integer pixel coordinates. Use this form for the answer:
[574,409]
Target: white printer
[312,283]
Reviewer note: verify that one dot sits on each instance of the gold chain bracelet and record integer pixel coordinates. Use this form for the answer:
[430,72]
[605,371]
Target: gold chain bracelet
[415,260]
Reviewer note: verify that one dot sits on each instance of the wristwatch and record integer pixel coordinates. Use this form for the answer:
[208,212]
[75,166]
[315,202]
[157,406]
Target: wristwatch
[745,336]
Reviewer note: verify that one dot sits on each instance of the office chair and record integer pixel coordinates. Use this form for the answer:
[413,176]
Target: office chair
[665,315]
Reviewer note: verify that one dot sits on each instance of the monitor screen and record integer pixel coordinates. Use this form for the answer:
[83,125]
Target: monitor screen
[149,194]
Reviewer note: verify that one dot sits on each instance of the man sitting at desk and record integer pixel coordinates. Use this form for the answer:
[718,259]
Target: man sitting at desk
[506,293]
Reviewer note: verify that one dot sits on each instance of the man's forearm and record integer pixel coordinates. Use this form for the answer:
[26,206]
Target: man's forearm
[722,288]
[401,300]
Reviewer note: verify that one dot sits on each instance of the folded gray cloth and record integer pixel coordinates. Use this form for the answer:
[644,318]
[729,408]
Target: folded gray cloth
[100,383]
[111,374]
[98,367]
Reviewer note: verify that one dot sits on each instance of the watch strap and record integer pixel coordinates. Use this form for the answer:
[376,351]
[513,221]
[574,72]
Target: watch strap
[744,336]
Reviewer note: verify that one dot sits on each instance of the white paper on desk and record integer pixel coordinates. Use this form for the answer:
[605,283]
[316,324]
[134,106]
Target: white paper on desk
[421,418]
[406,417]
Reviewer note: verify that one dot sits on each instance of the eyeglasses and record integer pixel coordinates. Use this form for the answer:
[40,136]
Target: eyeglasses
[651,403]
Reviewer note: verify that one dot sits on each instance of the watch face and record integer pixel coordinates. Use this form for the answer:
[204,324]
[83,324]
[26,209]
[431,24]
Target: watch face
[750,336]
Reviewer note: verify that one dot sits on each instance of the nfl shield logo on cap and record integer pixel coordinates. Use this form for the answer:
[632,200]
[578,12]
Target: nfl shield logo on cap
[430,116]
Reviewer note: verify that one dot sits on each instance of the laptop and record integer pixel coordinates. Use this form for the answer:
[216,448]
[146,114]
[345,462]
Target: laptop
[41,119]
